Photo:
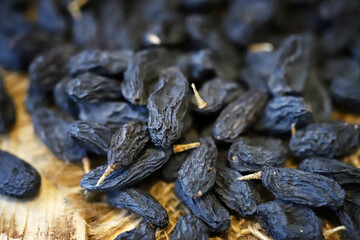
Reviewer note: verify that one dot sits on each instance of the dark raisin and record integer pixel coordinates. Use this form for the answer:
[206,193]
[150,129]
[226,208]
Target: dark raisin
[52,129]
[37,98]
[237,195]
[190,227]
[92,136]
[202,65]
[62,99]
[197,174]
[281,112]
[7,109]
[144,231]
[253,153]
[325,139]
[142,72]
[167,107]
[208,209]
[285,220]
[151,160]
[17,178]
[239,115]
[88,87]
[140,202]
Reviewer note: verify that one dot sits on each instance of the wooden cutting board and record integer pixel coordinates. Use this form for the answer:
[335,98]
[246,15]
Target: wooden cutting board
[60,210]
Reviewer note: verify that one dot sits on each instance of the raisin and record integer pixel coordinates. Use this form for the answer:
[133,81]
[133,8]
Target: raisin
[341,172]
[52,129]
[107,63]
[202,65]
[239,115]
[17,178]
[217,93]
[142,72]
[37,98]
[144,231]
[285,220]
[148,162]
[197,174]
[91,88]
[47,69]
[237,195]
[85,30]
[7,109]
[329,140]
[167,107]
[281,112]
[207,208]
[309,189]
[292,66]
[112,114]
[50,17]
[140,202]
[92,136]
[190,227]
[62,100]
[249,154]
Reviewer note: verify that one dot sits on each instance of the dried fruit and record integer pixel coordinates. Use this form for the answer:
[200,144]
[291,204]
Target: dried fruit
[281,112]
[148,162]
[285,220]
[140,202]
[144,231]
[52,129]
[62,99]
[239,115]
[88,87]
[17,178]
[7,109]
[142,72]
[190,227]
[92,136]
[197,174]
[237,195]
[330,140]
[167,107]
[208,209]
[250,154]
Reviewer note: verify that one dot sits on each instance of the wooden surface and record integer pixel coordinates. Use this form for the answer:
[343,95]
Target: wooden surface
[63,211]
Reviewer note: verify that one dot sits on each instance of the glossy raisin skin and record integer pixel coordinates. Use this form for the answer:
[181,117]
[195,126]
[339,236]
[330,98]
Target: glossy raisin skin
[140,202]
[208,209]
[92,136]
[144,231]
[167,107]
[217,93]
[112,114]
[309,189]
[88,87]
[237,195]
[126,143]
[107,63]
[17,178]
[190,227]
[281,112]
[341,172]
[52,129]
[148,162]
[285,220]
[142,72]
[239,115]
[329,140]
[249,154]
[7,109]
[197,174]
[63,100]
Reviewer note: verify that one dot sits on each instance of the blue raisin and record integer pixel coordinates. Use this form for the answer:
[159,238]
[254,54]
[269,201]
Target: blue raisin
[190,227]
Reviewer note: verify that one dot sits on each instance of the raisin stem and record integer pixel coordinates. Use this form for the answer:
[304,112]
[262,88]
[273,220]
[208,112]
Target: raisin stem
[107,172]
[253,176]
[293,129]
[200,102]
[327,233]
[261,47]
[86,164]
[75,6]
[183,147]
[255,230]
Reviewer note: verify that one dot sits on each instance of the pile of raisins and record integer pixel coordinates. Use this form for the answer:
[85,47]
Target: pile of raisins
[208,94]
